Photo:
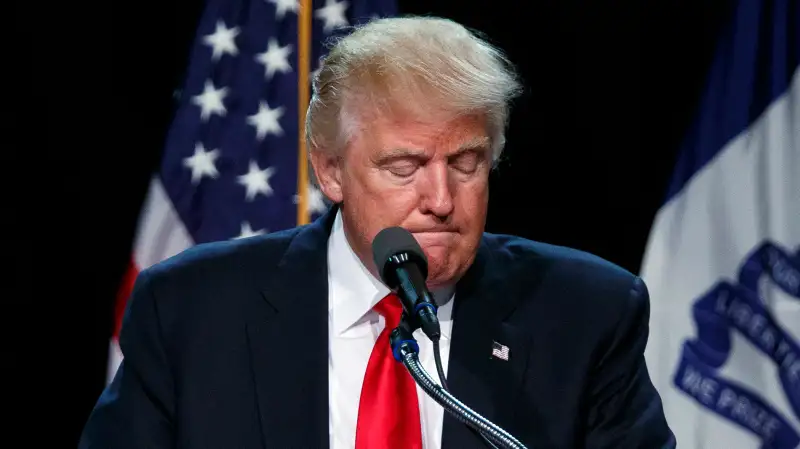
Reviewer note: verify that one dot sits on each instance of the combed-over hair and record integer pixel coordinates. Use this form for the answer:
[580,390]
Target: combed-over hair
[413,65]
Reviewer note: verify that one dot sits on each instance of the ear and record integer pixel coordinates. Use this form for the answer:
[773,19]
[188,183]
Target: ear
[328,171]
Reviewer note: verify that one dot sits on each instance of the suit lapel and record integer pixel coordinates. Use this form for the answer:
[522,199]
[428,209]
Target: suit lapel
[484,383]
[288,341]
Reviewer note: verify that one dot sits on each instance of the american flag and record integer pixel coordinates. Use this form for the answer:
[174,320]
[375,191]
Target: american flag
[500,351]
[230,164]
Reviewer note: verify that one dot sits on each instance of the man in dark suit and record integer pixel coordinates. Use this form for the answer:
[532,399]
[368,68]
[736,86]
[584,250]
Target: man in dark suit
[280,341]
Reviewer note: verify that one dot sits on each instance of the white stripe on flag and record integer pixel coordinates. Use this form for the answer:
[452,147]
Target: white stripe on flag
[160,232]
[114,360]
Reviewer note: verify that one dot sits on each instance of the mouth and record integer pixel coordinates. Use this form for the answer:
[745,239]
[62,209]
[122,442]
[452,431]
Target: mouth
[435,238]
[436,230]
[434,233]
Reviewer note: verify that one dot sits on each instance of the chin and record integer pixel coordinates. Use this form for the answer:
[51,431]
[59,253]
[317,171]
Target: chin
[439,259]
[442,273]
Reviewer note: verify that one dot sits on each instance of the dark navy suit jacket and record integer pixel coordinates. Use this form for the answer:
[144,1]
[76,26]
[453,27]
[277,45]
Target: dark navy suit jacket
[226,346]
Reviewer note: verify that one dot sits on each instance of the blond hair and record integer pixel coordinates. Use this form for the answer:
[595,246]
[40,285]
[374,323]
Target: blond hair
[417,65]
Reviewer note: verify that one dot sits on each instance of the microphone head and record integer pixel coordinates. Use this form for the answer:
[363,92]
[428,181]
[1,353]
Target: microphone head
[392,242]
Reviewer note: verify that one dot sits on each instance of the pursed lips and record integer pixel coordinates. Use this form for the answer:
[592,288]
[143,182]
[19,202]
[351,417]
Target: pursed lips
[433,237]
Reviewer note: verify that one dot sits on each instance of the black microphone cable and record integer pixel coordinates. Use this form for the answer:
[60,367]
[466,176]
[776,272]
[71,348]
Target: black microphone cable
[437,356]
[406,350]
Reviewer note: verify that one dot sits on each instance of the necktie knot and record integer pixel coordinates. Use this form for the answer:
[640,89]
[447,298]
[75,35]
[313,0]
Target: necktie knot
[391,309]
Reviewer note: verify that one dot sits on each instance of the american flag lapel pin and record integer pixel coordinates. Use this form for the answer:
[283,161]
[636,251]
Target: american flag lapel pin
[500,351]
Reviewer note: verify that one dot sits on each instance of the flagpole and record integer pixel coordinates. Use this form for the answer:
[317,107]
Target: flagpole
[303,67]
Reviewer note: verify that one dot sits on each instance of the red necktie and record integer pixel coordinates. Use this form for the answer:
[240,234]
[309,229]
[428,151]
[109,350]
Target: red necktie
[388,412]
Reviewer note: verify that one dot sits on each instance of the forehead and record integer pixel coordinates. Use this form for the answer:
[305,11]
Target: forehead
[432,136]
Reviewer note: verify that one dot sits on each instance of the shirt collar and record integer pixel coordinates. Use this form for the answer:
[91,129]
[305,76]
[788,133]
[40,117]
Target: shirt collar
[354,291]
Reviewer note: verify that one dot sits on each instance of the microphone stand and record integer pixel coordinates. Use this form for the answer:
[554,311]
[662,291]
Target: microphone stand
[406,350]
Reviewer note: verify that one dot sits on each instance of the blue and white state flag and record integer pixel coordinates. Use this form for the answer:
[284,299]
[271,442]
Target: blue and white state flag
[722,263]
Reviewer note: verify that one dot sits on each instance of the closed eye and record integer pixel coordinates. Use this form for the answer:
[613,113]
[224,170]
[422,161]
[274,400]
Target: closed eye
[467,161]
[401,168]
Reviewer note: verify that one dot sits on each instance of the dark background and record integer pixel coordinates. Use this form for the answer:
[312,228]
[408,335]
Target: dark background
[611,87]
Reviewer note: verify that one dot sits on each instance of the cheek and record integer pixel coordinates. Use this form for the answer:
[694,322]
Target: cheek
[386,204]
[472,199]
[393,205]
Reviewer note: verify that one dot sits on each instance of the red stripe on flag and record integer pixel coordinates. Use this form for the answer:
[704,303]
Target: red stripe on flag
[124,292]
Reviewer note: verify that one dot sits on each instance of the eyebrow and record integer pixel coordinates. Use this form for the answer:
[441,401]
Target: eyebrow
[477,143]
[393,153]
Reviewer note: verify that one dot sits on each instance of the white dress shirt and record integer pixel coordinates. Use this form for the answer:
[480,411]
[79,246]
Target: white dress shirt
[353,328]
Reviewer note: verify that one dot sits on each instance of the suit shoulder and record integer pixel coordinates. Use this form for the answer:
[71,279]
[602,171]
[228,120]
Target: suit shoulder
[519,250]
[590,277]
[205,280]
[581,293]
[237,255]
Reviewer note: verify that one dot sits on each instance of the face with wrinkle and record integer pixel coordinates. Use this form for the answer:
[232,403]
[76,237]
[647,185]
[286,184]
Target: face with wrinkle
[430,177]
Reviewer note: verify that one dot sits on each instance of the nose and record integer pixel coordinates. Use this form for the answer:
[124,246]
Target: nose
[437,199]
